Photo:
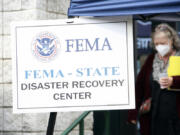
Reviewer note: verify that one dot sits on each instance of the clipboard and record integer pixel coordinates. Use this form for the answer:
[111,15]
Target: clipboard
[174,68]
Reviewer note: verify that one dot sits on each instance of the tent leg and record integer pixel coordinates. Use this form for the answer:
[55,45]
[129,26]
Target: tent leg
[51,123]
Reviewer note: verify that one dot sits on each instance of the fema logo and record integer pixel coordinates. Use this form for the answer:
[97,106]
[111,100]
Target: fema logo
[45,46]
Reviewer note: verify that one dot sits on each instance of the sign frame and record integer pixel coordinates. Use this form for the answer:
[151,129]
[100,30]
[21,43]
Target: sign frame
[69,22]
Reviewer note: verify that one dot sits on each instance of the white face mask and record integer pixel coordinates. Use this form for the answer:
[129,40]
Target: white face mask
[163,49]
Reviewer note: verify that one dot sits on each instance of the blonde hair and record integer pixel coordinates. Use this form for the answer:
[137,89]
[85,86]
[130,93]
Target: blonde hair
[170,32]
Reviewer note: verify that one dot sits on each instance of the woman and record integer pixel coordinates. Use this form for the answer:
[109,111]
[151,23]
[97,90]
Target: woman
[158,106]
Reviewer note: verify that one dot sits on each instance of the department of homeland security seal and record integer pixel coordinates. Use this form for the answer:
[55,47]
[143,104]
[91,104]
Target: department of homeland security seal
[45,46]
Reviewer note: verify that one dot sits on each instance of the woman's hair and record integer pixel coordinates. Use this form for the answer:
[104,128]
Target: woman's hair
[170,32]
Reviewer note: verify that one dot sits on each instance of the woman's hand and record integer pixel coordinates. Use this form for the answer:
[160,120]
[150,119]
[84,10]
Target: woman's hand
[166,82]
[133,121]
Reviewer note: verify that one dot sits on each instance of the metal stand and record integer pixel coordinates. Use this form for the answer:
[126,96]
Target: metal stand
[52,117]
[51,123]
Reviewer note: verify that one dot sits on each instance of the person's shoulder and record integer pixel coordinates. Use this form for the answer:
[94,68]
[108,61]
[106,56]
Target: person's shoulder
[150,57]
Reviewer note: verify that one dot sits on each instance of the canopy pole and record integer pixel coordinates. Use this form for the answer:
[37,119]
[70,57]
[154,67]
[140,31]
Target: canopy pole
[52,117]
[51,123]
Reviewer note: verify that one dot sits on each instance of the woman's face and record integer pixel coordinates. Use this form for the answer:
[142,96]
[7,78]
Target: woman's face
[161,38]
[162,44]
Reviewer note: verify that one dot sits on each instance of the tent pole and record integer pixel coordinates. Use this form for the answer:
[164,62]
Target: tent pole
[51,123]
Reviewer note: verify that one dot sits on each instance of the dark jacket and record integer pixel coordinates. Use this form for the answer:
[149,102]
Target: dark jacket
[143,92]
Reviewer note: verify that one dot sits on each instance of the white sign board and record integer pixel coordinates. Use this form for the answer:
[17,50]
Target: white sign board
[73,65]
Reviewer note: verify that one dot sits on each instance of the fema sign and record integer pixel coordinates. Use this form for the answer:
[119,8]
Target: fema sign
[73,65]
